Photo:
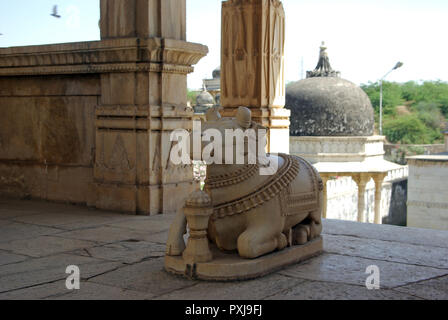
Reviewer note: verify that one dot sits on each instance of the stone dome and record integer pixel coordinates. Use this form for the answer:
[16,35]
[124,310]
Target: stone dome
[217,73]
[329,106]
[205,99]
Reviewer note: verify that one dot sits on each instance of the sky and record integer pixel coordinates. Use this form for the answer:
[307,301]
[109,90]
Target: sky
[365,38]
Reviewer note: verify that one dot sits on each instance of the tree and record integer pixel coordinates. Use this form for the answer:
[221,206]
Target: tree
[427,103]
[408,129]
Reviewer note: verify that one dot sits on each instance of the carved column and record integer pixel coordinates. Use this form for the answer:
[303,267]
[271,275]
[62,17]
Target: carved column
[252,65]
[325,196]
[378,178]
[361,180]
[142,102]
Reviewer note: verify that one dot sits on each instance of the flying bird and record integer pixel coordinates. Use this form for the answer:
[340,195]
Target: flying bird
[55,12]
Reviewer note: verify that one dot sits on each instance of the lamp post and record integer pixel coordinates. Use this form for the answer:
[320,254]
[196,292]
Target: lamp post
[397,66]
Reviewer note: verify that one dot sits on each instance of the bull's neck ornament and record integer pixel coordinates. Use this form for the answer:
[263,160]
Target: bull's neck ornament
[246,224]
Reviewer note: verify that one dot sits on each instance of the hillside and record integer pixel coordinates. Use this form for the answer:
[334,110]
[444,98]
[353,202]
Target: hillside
[413,112]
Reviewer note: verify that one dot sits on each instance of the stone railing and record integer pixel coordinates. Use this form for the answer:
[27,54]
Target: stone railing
[337,148]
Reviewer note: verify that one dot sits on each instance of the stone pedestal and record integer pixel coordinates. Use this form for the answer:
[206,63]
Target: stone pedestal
[198,212]
[142,102]
[252,65]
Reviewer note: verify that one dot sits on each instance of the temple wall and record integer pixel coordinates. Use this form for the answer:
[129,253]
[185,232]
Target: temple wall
[47,136]
[90,122]
[428,192]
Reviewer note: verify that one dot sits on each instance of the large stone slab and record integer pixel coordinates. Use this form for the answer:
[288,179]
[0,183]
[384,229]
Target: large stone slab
[8,258]
[125,251]
[385,250]
[20,231]
[147,224]
[352,270]
[434,289]
[314,290]
[105,234]
[147,276]
[425,237]
[231,267]
[35,272]
[87,291]
[45,246]
[6,212]
[248,290]
[56,219]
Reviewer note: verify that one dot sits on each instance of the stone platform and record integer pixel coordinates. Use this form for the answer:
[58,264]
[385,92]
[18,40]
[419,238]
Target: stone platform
[231,267]
[122,257]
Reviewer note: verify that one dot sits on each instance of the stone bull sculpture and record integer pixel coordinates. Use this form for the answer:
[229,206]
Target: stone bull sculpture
[256,213]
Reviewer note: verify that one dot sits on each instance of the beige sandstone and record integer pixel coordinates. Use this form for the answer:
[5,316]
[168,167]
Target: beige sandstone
[90,122]
[245,211]
[252,65]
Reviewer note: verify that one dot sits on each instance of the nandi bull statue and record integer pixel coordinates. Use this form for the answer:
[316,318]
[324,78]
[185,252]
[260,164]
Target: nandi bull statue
[253,217]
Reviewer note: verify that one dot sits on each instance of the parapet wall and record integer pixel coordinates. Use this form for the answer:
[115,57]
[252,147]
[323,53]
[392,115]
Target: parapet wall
[47,136]
[90,122]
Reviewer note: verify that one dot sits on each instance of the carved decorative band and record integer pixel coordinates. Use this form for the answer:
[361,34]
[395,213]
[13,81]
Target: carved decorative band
[119,55]
[264,193]
[232,178]
[431,205]
[96,68]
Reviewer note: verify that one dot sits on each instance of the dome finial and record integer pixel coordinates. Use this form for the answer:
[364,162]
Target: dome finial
[323,68]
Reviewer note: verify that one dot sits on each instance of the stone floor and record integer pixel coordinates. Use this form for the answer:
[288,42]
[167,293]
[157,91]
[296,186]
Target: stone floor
[121,257]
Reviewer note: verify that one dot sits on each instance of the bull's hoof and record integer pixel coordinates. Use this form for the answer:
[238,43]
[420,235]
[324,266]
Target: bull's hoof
[282,242]
[300,235]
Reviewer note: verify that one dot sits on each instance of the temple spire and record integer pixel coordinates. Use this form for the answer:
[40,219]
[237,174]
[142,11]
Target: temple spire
[323,68]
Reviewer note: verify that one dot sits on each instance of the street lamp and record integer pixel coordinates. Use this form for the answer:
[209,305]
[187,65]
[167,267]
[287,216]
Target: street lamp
[397,66]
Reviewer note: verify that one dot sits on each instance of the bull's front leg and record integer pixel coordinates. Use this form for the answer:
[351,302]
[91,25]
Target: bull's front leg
[175,245]
[264,233]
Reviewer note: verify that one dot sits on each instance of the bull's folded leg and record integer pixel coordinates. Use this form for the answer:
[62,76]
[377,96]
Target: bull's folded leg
[300,234]
[307,231]
[256,242]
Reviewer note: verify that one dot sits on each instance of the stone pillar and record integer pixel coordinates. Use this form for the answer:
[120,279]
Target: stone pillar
[324,197]
[361,180]
[142,102]
[378,178]
[252,65]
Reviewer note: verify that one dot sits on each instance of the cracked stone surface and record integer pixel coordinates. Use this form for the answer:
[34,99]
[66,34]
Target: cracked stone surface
[122,257]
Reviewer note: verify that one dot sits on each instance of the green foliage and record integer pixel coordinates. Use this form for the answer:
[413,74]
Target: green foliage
[392,96]
[191,96]
[428,103]
[408,129]
[429,91]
